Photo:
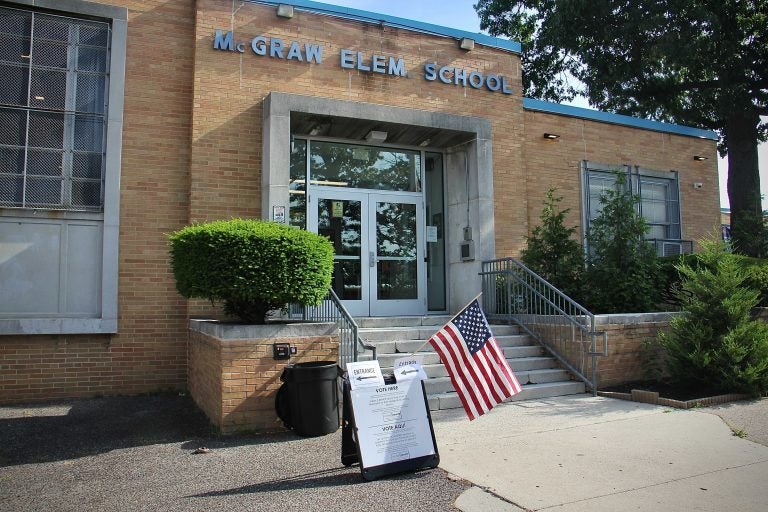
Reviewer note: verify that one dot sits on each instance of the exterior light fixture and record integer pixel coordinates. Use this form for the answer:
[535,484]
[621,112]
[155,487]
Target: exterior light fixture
[699,158]
[284,11]
[551,136]
[374,136]
[467,44]
[425,143]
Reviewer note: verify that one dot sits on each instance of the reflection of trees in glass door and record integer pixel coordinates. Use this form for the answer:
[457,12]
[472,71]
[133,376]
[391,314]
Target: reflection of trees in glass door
[378,239]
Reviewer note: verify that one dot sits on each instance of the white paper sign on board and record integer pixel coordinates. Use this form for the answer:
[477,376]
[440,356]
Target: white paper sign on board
[392,423]
[409,368]
[364,374]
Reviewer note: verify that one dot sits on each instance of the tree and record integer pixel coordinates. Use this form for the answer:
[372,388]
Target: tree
[702,63]
[552,252]
[715,343]
[621,275]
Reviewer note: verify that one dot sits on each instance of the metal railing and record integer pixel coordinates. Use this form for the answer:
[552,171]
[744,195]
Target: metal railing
[332,310]
[514,293]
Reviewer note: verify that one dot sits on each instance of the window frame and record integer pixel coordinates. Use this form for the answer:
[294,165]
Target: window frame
[635,176]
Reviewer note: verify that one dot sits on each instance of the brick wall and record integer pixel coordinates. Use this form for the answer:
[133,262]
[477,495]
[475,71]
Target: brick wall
[556,163]
[626,334]
[234,381]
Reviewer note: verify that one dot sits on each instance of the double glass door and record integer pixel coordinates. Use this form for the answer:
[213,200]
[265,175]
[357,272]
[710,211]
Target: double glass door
[378,238]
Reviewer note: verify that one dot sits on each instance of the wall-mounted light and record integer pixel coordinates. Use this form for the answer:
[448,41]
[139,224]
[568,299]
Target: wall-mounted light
[467,43]
[551,136]
[284,11]
[699,158]
[374,136]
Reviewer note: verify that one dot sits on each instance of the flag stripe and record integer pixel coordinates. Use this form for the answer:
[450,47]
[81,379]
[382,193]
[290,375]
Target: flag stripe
[500,392]
[438,342]
[480,384]
[470,386]
[505,370]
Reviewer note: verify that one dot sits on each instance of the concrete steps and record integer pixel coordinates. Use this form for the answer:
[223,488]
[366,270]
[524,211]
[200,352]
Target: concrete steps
[395,337]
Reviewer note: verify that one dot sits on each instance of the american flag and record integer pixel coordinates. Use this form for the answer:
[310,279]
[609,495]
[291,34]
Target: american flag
[477,367]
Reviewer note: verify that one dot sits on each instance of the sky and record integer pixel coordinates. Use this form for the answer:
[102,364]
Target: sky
[461,14]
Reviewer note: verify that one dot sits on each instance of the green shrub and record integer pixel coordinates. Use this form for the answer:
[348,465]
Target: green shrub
[552,252]
[252,266]
[621,275]
[715,344]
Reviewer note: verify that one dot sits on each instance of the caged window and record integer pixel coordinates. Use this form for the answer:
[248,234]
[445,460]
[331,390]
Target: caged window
[657,191]
[52,111]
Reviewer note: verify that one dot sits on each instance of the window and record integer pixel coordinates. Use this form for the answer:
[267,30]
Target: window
[659,200]
[61,116]
[52,111]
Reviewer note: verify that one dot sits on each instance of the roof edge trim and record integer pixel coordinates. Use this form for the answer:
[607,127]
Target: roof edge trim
[620,119]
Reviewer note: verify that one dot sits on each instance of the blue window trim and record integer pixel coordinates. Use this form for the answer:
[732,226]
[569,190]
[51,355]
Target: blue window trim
[394,21]
[607,117]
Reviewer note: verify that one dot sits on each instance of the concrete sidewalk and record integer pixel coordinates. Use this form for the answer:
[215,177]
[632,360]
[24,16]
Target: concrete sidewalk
[581,453]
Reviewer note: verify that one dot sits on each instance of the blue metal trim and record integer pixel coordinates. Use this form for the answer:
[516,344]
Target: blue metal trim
[394,21]
[607,117]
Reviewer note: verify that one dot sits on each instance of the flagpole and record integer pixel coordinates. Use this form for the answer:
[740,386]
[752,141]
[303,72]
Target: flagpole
[449,321]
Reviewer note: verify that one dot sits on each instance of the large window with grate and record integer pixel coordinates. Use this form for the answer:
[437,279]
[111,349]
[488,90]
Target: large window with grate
[62,83]
[53,106]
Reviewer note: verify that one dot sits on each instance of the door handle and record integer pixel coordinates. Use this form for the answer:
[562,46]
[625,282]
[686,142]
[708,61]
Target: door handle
[371,259]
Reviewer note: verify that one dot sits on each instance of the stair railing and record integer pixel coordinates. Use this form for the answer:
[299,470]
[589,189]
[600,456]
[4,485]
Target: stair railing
[514,293]
[332,310]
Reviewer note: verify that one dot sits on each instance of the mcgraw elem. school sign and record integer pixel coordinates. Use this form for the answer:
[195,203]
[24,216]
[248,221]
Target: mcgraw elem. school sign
[274,48]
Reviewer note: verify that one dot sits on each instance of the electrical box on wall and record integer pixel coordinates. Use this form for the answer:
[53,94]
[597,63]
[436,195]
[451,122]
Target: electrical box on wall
[281,351]
[467,250]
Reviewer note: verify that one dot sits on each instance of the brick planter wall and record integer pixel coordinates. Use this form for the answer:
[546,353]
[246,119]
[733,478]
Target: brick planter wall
[233,377]
[625,338]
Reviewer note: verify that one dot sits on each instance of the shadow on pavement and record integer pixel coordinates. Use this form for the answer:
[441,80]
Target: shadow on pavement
[45,432]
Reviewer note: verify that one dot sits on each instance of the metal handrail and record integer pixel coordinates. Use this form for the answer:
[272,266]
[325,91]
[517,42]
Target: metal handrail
[332,310]
[514,293]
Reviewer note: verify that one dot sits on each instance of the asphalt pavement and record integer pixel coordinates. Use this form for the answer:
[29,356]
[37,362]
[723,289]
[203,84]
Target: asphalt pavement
[565,454]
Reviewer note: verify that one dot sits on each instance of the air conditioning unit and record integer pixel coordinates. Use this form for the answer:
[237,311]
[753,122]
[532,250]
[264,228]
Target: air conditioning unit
[671,249]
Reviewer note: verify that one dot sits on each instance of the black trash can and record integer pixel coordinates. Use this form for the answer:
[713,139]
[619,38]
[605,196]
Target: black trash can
[308,401]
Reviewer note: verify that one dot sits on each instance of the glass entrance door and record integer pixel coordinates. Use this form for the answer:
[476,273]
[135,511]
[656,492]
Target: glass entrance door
[378,238]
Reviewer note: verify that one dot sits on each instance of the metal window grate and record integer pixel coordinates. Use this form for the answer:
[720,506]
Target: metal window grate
[53,108]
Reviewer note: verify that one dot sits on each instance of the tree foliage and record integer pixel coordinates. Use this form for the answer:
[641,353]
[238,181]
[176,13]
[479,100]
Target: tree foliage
[552,252]
[622,268]
[702,63]
[252,266]
[716,344]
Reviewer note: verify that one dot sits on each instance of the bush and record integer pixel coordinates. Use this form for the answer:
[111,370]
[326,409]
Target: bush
[252,266]
[715,343]
[552,252]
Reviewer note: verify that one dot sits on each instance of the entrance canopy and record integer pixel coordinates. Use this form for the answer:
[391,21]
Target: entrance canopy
[468,175]
[303,123]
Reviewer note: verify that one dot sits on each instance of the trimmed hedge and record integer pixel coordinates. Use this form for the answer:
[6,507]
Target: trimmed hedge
[252,266]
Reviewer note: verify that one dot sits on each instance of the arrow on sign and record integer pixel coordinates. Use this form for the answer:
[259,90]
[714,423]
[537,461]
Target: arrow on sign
[369,377]
[406,372]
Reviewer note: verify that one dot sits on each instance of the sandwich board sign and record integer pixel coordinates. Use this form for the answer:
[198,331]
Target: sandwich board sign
[387,428]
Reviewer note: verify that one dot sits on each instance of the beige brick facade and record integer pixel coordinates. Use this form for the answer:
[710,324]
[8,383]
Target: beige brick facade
[192,151]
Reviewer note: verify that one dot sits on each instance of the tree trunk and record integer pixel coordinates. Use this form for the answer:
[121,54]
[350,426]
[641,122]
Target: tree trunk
[747,228]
